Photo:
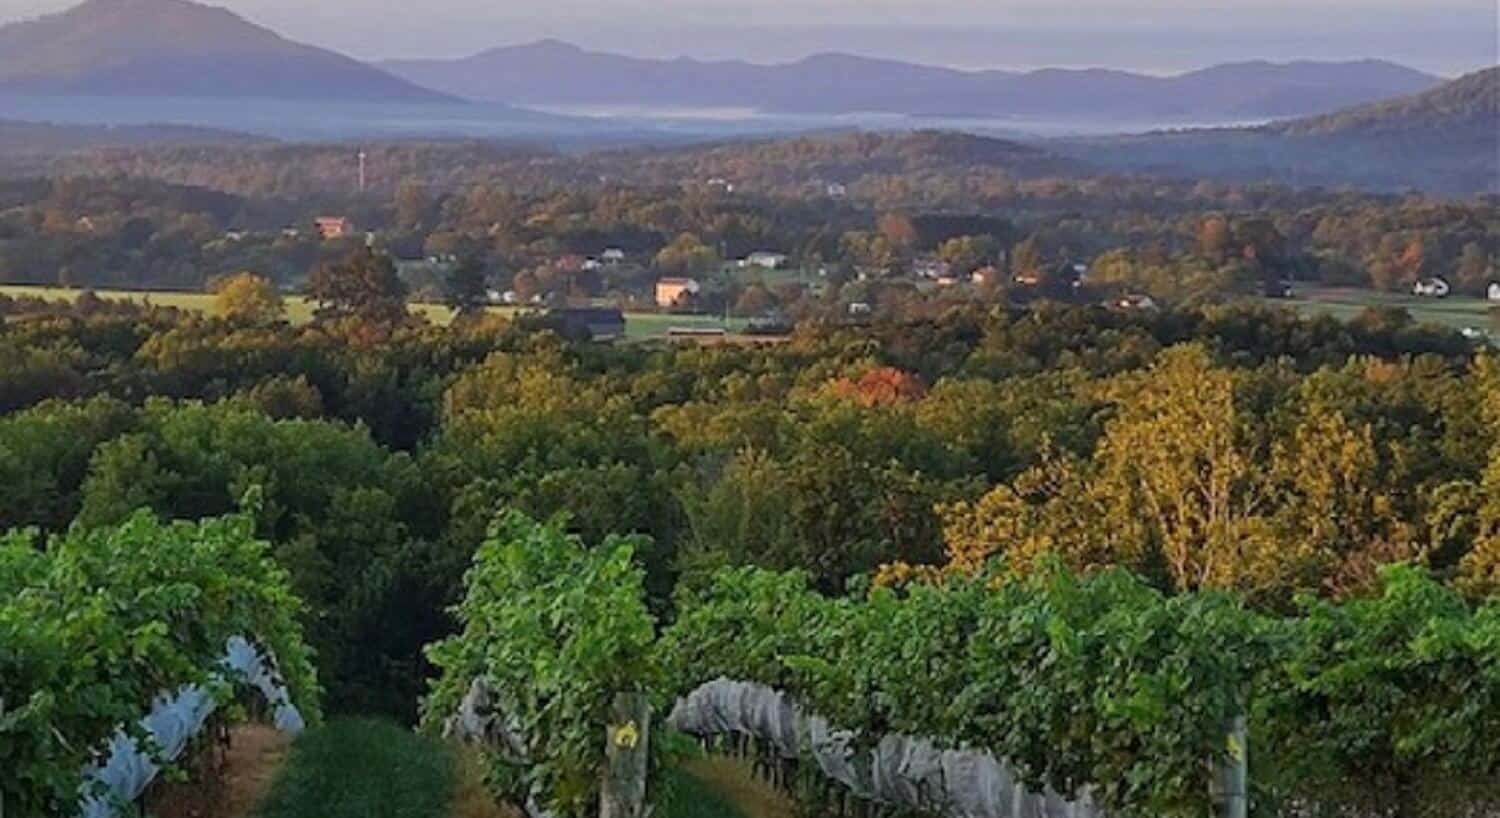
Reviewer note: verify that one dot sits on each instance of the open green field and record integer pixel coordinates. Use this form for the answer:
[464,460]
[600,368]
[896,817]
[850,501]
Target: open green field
[1456,312]
[300,310]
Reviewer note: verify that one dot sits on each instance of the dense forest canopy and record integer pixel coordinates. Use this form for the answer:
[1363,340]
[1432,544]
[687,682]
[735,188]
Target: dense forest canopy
[1217,448]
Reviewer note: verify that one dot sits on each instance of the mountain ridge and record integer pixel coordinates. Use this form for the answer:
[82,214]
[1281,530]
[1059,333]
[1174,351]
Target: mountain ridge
[1472,98]
[1443,140]
[555,72]
[166,48]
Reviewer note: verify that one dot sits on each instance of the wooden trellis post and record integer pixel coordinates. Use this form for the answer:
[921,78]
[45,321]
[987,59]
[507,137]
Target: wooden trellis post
[627,755]
[1232,778]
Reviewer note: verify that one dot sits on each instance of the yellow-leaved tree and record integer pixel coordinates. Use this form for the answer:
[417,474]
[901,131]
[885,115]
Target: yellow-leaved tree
[249,298]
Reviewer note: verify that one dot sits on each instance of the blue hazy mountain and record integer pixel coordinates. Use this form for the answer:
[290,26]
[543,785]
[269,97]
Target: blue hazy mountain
[557,73]
[176,48]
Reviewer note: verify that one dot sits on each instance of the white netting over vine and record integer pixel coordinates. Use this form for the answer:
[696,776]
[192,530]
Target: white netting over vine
[175,719]
[900,770]
[482,718]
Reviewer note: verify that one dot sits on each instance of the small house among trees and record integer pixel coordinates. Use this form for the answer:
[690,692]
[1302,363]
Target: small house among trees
[333,227]
[676,292]
[1135,302]
[766,260]
[1434,287]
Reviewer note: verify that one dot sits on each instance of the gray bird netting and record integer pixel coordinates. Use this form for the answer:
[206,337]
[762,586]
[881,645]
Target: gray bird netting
[900,770]
[128,767]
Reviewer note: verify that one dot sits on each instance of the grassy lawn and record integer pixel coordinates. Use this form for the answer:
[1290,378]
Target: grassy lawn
[1456,312]
[357,768]
[652,325]
[300,311]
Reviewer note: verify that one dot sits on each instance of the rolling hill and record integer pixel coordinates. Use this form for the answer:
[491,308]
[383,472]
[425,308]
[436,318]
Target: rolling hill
[1445,140]
[177,48]
[36,138]
[1465,111]
[556,73]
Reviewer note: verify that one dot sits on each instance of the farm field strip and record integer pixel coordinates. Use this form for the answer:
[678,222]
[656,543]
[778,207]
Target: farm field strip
[1456,312]
[299,309]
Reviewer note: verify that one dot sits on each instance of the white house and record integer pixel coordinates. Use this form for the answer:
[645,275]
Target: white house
[930,267]
[766,260]
[1494,292]
[1136,302]
[837,191]
[1434,287]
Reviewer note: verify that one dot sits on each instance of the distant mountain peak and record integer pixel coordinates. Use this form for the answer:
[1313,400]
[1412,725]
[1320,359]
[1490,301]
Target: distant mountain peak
[180,48]
[551,44]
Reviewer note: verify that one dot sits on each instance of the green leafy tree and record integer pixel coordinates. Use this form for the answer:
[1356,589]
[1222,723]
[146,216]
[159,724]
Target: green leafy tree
[466,288]
[363,286]
[686,255]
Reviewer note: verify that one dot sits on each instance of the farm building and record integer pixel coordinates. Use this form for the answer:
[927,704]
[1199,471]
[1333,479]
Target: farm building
[596,323]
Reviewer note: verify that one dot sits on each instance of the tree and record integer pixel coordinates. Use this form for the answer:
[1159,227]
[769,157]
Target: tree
[897,229]
[686,255]
[755,300]
[248,298]
[1260,242]
[1413,262]
[363,286]
[526,285]
[965,254]
[1026,259]
[411,204]
[465,286]
[1177,460]
[1214,238]
[882,386]
[1474,271]
[872,253]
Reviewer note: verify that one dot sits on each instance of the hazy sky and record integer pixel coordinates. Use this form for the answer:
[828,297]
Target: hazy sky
[1446,36]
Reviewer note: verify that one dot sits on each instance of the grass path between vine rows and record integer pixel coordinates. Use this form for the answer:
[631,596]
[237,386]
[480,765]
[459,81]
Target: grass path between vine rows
[375,769]
[723,786]
[362,768]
